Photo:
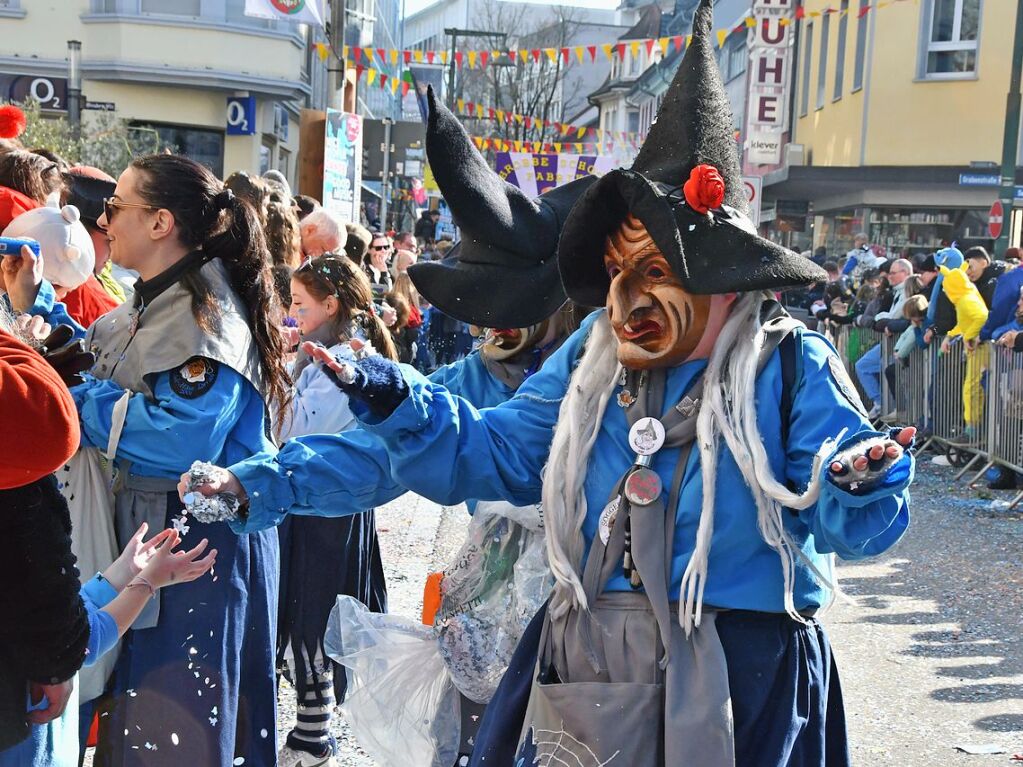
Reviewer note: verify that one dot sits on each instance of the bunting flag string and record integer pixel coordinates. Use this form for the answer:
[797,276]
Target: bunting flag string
[480,59]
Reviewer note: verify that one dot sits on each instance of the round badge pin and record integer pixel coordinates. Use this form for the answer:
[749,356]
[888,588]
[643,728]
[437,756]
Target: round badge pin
[642,487]
[607,520]
[646,436]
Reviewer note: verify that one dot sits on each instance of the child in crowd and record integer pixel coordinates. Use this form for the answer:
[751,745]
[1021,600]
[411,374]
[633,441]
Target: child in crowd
[113,600]
[332,305]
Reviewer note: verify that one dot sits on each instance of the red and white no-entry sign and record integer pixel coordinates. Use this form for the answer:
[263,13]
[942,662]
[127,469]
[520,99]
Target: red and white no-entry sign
[994,220]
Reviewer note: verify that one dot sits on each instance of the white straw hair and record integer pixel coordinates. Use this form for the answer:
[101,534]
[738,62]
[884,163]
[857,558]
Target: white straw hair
[728,410]
[590,389]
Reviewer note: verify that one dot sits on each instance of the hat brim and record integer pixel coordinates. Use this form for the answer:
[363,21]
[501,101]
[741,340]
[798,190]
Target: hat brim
[490,295]
[715,255]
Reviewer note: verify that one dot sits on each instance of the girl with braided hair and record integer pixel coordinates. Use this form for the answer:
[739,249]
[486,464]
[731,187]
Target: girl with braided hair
[332,303]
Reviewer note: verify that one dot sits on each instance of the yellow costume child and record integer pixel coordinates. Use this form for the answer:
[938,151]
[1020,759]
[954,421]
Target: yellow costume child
[971,314]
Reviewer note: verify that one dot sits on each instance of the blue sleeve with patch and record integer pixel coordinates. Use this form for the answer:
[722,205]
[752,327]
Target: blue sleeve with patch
[849,524]
[187,420]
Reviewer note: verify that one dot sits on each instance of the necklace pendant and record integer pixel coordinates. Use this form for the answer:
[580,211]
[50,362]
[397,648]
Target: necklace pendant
[646,436]
[625,398]
[643,487]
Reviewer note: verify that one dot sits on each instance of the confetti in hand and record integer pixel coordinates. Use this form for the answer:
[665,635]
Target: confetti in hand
[222,507]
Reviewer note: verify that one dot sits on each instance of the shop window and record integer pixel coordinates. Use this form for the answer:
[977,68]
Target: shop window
[11,9]
[843,23]
[203,146]
[861,44]
[822,61]
[951,30]
[633,121]
[804,96]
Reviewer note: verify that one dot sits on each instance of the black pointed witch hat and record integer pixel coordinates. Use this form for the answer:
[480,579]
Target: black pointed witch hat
[703,231]
[504,271]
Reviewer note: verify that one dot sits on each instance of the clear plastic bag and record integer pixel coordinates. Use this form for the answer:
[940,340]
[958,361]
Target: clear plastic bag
[496,584]
[401,704]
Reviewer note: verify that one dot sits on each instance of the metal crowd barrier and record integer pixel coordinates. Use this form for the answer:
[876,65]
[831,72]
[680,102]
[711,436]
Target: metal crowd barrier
[927,390]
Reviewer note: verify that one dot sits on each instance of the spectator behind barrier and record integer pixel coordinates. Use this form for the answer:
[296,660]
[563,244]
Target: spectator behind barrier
[323,231]
[984,272]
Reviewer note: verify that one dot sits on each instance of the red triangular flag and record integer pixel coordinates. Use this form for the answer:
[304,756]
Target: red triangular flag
[382,53]
[470,107]
[650,46]
[458,58]
[430,55]
[621,51]
[862,13]
[358,53]
[407,55]
[359,69]
[564,54]
[800,11]
[593,52]
[678,40]
[536,55]
[528,121]
[404,87]
[484,55]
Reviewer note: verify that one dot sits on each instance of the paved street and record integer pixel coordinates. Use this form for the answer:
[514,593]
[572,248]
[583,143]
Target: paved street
[930,658]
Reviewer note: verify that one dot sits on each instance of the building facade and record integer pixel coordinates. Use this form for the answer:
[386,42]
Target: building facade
[169,67]
[897,122]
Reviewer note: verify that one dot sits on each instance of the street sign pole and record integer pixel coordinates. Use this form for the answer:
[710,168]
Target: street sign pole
[1012,108]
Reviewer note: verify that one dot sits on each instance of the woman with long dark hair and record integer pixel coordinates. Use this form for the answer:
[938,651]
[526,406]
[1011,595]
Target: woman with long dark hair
[332,304]
[199,358]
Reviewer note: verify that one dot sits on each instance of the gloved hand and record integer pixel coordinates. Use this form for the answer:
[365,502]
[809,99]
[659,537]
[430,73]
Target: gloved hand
[375,380]
[66,355]
[864,465]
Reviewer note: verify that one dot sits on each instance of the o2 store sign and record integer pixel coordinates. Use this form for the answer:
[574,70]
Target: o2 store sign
[50,92]
[241,115]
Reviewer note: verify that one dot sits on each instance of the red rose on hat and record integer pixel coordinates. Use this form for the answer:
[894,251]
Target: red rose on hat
[705,188]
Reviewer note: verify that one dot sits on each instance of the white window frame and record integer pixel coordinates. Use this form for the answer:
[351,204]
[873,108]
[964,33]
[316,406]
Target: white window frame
[804,86]
[927,46]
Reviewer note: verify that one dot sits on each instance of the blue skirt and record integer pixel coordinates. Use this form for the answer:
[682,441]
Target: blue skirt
[786,694]
[199,687]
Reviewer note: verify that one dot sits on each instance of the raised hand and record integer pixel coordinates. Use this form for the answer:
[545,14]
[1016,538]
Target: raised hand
[862,466]
[375,380]
[22,277]
[167,567]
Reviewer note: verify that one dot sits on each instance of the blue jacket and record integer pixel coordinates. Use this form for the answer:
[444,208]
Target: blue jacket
[444,448]
[1003,304]
[163,436]
[332,475]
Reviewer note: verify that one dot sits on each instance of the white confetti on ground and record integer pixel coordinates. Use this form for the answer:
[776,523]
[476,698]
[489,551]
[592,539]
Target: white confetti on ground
[174,738]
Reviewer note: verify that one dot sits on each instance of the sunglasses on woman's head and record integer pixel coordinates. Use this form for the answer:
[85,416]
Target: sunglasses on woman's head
[110,205]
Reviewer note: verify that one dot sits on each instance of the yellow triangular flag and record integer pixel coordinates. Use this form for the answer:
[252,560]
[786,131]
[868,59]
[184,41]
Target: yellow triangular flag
[322,51]
[722,36]
[634,49]
[418,55]
[751,22]
[394,85]
[518,119]
[518,146]
[472,58]
[394,57]
[552,54]
[344,52]
[784,21]
[663,45]
[461,105]
[479,110]
[608,49]
[581,132]
[443,57]
[371,75]
[689,40]
[580,51]
[524,55]
[557,148]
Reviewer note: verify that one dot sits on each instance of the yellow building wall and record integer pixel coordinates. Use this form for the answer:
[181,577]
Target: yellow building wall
[908,121]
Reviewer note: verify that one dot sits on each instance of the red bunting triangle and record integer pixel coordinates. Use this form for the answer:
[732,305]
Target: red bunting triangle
[358,53]
[679,41]
[459,55]
[404,87]
[564,54]
[484,55]
[536,55]
[650,46]
[621,51]
[382,53]
[359,69]
[430,55]
[800,11]
[863,12]
[528,121]
[407,55]
[592,49]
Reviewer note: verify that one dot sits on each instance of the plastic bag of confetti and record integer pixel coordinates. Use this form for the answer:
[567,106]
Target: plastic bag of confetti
[401,704]
[490,593]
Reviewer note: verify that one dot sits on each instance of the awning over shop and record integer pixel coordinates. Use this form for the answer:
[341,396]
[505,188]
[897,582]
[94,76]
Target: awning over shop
[835,188]
[373,187]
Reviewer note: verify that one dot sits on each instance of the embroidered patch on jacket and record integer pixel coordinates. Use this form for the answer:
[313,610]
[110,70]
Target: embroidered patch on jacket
[845,384]
[194,378]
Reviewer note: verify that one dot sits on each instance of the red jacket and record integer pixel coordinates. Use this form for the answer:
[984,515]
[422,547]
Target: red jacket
[38,415]
[88,302]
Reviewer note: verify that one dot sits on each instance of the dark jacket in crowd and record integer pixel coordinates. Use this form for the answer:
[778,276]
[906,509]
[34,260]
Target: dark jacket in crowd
[1003,305]
[944,315]
[425,228]
[988,278]
[45,628]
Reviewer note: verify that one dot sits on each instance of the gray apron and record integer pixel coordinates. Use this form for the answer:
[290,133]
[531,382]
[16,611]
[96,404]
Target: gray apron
[134,343]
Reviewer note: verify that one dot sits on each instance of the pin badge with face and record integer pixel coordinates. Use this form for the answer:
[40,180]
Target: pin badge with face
[643,487]
[606,523]
[646,436]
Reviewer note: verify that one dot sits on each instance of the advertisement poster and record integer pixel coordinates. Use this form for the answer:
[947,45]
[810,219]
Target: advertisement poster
[534,174]
[342,164]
